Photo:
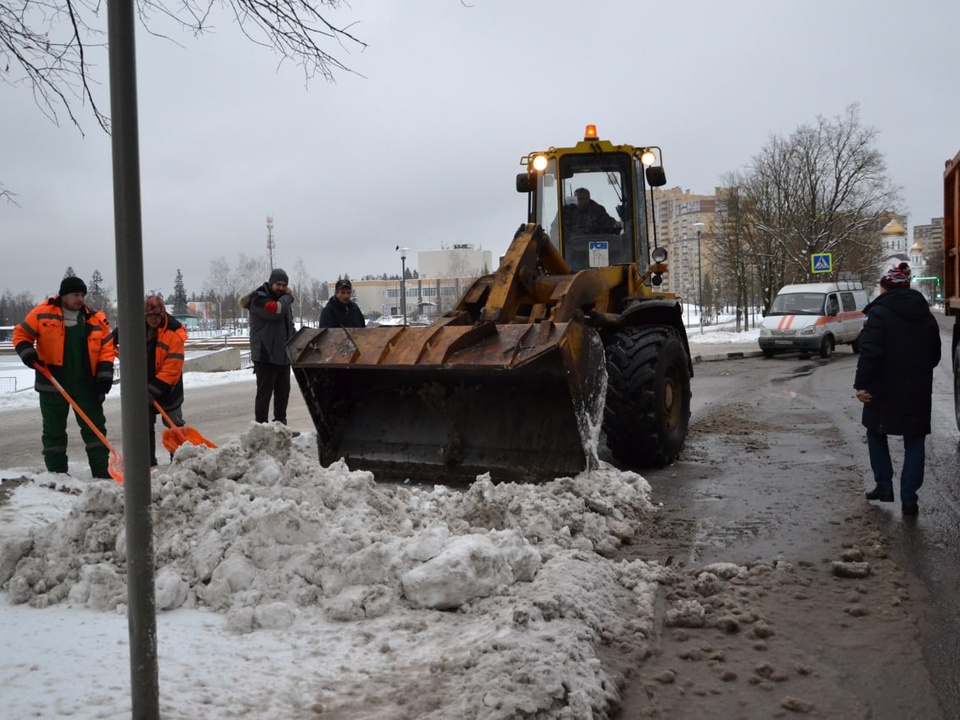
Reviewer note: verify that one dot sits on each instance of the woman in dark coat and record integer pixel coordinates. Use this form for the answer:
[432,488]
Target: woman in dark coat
[899,349]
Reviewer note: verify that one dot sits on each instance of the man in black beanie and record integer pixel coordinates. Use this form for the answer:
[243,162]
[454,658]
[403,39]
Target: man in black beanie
[74,343]
[271,326]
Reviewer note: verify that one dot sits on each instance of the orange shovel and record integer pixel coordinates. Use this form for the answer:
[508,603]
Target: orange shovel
[174,437]
[115,465]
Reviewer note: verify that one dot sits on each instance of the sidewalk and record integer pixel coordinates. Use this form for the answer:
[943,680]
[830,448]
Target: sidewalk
[721,343]
[709,352]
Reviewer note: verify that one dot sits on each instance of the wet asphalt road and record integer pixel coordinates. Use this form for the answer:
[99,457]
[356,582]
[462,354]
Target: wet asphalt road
[777,457]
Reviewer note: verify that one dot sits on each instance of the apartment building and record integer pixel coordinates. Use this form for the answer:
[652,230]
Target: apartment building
[685,226]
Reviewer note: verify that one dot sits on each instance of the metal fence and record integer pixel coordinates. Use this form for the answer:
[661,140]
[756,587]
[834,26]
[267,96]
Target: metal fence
[8,384]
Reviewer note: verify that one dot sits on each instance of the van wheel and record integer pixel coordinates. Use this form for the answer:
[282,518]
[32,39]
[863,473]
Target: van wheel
[855,345]
[826,347]
[767,353]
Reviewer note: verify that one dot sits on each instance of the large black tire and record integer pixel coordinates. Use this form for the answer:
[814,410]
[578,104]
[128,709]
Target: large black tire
[956,384]
[647,412]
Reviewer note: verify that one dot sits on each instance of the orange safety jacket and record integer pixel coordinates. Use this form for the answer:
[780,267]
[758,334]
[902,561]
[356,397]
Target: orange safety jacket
[171,336]
[43,326]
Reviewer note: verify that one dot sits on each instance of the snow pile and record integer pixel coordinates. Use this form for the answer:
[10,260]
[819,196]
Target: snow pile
[258,531]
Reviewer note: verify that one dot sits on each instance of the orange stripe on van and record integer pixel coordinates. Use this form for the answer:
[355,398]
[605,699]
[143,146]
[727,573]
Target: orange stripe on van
[853,315]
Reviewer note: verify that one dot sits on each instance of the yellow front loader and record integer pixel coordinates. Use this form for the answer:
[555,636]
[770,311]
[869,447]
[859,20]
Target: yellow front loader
[570,334]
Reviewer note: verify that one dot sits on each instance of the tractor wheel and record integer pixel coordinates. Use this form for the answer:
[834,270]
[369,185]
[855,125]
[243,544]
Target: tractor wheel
[647,412]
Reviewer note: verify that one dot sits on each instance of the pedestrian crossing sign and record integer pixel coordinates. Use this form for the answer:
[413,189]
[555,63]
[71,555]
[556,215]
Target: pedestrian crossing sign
[821,262]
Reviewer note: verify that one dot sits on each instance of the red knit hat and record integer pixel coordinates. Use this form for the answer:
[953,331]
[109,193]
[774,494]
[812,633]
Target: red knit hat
[153,304]
[896,277]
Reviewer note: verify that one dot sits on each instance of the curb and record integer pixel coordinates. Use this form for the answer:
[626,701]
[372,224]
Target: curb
[705,356]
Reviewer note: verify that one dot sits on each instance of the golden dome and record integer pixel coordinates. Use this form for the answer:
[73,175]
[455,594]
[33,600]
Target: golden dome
[894,228]
[917,248]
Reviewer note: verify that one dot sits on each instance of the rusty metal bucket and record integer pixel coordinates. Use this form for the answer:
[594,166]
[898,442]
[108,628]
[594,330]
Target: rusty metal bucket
[446,403]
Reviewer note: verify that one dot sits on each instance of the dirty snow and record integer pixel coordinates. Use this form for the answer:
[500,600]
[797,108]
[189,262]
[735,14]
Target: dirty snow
[318,589]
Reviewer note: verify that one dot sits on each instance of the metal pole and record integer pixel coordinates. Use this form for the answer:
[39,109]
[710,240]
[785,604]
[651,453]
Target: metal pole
[403,287]
[141,611]
[699,277]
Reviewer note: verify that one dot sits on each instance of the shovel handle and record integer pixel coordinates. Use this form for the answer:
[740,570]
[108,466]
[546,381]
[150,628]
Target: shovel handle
[45,371]
[170,423]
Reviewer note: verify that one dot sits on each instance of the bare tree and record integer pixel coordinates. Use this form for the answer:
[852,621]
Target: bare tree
[822,190]
[301,281]
[46,44]
[219,285]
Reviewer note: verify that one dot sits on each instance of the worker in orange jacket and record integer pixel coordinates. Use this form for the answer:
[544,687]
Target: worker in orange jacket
[166,338]
[74,342]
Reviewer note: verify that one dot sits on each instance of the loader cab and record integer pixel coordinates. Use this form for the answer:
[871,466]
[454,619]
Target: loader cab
[591,201]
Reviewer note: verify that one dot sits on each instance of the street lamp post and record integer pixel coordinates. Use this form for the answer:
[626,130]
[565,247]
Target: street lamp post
[403,282]
[699,227]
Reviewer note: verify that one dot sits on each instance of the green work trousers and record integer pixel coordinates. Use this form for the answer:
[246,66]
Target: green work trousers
[54,410]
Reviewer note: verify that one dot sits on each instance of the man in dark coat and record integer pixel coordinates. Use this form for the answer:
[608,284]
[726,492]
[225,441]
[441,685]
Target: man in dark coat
[899,348]
[587,216]
[271,326]
[340,310]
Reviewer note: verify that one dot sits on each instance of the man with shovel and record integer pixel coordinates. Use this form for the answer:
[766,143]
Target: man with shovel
[72,342]
[166,337]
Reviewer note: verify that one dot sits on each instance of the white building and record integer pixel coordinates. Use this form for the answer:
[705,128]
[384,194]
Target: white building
[457,261]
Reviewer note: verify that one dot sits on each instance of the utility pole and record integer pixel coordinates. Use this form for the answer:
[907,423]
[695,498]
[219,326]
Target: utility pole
[699,227]
[270,243]
[403,282]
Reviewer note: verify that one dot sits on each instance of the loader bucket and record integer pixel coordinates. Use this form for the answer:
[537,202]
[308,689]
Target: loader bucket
[447,403]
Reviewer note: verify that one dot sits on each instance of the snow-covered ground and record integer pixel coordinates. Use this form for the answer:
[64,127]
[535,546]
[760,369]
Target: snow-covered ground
[288,590]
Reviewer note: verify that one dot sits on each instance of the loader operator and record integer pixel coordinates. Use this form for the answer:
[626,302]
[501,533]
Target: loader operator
[587,217]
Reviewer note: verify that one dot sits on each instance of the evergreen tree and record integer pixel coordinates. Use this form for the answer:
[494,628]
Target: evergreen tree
[69,272]
[179,295]
[96,293]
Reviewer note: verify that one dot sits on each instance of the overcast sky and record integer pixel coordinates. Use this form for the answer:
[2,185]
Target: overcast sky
[424,147]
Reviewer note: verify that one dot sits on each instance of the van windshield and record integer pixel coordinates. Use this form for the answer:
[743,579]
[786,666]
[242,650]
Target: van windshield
[804,303]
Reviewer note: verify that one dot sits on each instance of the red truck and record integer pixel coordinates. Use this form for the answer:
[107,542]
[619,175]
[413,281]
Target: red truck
[951,265]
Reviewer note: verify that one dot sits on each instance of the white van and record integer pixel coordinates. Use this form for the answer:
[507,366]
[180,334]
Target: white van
[814,317]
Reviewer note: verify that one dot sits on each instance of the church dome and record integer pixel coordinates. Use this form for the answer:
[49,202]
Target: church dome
[894,228]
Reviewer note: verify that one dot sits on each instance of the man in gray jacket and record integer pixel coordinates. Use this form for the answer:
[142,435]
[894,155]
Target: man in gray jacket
[271,326]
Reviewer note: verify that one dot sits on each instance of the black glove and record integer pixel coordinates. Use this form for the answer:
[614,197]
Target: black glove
[156,388]
[30,358]
[104,385]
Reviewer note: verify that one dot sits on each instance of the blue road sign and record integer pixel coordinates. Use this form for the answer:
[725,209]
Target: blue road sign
[821,262]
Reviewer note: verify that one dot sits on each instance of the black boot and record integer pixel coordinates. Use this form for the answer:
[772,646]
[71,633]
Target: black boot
[881,495]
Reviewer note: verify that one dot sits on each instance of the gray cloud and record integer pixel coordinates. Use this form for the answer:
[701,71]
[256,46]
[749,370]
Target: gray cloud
[425,149]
